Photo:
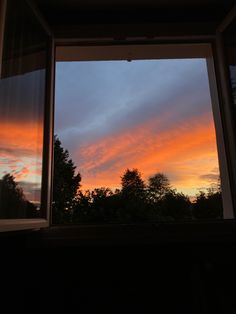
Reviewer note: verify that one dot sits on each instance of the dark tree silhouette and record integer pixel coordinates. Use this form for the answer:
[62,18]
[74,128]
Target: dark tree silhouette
[101,204]
[65,184]
[100,194]
[158,186]
[133,204]
[208,205]
[13,203]
[82,209]
[132,184]
[175,206]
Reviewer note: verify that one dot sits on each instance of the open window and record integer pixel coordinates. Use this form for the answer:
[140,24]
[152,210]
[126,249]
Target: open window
[25,97]
[27,92]
[150,118]
[225,65]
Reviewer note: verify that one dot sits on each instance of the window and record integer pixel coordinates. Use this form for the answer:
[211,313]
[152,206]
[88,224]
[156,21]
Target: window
[230,44]
[225,66]
[23,93]
[26,95]
[148,120]
[230,69]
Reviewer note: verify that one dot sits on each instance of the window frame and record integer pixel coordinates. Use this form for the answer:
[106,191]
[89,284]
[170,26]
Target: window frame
[44,221]
[215,80]
[155,50]
[2,26]
[224,84]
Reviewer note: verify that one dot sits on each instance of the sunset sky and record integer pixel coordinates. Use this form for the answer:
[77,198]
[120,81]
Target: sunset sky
[154,115]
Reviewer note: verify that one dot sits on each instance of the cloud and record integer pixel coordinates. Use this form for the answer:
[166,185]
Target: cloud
[210,177]
[97,98]
[153,115]
[181,152]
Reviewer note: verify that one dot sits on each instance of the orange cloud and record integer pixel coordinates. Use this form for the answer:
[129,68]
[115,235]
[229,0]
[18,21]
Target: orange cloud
[184,152]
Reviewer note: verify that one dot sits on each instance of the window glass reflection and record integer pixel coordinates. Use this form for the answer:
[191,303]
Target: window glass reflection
[22,95]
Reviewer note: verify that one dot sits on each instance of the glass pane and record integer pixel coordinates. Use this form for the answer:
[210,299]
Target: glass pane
[22,98]
[230,45]
[142,138]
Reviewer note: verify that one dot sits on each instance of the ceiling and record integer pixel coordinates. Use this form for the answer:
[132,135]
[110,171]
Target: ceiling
[64,14]
[121,3]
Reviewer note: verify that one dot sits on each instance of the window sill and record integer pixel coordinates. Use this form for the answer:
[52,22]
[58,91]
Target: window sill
[149,234]
[139,234]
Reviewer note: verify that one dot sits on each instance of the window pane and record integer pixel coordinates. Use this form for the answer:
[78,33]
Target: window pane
[230,44]
[142,137]
[22,98]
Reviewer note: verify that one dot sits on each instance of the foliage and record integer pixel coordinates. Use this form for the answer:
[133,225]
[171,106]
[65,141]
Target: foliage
[208,205]
[134,202]
[158,186]
[100,194]
[175,206]
[65,184]
[132,185]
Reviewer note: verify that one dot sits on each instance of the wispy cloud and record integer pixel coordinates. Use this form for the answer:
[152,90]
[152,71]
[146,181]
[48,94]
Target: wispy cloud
[152,115]
[183,152]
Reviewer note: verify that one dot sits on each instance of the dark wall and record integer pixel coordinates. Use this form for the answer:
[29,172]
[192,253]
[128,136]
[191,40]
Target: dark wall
[41,275]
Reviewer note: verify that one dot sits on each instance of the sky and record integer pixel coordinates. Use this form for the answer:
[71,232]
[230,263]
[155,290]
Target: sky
[153,115]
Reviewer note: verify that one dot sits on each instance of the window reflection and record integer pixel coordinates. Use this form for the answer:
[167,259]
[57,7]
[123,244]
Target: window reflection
[22,95]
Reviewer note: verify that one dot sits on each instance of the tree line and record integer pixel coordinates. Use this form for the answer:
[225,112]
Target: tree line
[136,201]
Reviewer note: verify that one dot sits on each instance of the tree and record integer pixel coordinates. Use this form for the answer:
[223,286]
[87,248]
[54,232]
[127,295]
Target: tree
[100,194]
[65,184]
[158,186]
[82,207]
[13,203]
[101,204]
[132,184]
[175,206]
[208,205]
[133,205]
